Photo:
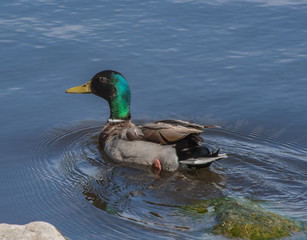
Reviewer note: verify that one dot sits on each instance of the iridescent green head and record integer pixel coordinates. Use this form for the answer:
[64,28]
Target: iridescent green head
[113,87]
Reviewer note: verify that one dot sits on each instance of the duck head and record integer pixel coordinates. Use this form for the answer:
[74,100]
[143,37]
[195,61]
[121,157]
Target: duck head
[113,87]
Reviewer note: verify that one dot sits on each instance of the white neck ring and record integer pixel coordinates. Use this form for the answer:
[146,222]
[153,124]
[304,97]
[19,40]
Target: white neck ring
[115,120]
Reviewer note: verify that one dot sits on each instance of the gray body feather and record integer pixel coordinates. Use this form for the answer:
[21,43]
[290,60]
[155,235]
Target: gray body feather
[170,141]
[141,152]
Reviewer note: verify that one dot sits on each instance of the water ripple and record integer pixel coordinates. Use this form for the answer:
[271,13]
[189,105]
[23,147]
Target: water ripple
[69,163]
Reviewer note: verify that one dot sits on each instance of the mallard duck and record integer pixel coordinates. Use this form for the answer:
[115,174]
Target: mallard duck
[165,145]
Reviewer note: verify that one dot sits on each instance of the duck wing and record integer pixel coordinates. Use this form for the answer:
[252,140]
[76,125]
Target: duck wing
[170,131]
[165,132]
[183,136]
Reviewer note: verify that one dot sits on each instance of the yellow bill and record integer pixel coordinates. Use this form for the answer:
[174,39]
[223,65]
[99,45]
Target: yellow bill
[85,88]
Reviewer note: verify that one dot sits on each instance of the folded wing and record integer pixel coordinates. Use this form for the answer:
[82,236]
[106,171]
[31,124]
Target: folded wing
[184,136]
[166,132]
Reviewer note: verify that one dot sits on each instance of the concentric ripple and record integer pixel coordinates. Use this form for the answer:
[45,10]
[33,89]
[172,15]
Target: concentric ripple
[100,198]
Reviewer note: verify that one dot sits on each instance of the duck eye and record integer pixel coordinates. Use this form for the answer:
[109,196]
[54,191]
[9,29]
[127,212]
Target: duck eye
[102,79]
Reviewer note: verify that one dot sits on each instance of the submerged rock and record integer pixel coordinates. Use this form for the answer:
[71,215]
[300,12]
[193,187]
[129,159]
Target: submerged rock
[242,218]
[31,231]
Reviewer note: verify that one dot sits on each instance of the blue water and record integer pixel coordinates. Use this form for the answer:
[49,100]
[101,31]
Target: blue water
[238,64]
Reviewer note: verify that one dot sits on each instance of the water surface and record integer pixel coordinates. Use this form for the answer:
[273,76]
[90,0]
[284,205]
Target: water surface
[238,64]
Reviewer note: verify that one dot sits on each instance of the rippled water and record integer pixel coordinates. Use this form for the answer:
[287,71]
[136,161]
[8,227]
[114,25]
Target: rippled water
[238,64]
[101,197]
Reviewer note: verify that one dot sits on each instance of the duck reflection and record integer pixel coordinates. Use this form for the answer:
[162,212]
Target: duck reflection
[117,188]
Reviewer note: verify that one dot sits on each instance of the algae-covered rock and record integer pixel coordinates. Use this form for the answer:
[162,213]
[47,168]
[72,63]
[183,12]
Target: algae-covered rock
[247,220]
[241,218]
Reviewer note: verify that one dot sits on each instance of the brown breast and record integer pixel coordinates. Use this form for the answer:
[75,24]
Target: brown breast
[111,129]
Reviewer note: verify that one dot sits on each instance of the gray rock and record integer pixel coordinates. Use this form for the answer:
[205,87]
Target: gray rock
[30,231]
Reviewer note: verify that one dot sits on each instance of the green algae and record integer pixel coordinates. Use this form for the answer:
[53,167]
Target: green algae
[201,207]
[245,219]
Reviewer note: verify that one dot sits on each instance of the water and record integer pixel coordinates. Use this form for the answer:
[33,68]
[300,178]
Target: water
[239,64]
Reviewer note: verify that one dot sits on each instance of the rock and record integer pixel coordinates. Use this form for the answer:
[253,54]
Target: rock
[245,219]
[30,231]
